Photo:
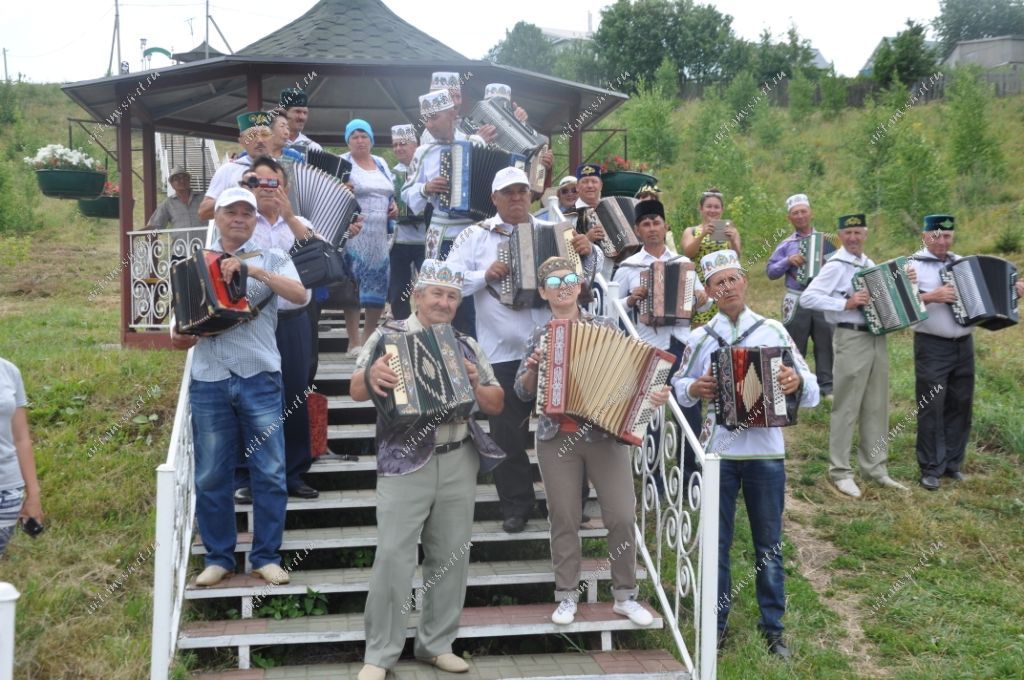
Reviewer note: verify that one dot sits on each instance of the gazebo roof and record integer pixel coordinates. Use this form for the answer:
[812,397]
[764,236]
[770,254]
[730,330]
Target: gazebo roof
[197,53]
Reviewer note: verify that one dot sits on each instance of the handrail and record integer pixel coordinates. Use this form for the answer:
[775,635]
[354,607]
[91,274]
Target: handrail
[8,600]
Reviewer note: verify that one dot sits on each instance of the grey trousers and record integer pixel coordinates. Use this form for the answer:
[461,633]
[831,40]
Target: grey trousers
[437,500]
[809,323]
[562,461]
[861,397]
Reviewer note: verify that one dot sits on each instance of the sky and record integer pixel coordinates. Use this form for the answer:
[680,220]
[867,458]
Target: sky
[78,46]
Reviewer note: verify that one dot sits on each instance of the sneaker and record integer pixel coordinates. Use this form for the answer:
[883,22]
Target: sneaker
[890,483]
[846,487]
[777,647]
[566,612]
[634,611]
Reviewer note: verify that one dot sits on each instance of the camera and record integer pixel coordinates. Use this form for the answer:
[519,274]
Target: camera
[32,527]
[262,182]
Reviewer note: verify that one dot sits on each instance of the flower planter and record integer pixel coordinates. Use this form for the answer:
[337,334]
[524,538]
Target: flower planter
[71,183]
[625,182]
[107,207]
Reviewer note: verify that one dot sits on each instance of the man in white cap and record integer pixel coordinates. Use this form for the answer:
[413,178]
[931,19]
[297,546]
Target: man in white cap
[752,457]
[801,322]
[426,489]
[503,333]
[449,81]
[566,193]
[181,208]
[407,250]
[503,93]
[236,397]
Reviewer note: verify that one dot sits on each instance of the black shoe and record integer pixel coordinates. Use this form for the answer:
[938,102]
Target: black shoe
[956,475]
[303,490]
[777,647]
[513,525]
[243,496]
[930,482]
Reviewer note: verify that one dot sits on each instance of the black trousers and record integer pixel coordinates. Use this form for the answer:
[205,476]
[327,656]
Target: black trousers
[510,430]
[465,316]
[809,323]
[944,421]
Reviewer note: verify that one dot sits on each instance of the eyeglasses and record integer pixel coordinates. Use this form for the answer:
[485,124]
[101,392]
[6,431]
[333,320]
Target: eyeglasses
[261,182]
[570,190]
[570,279]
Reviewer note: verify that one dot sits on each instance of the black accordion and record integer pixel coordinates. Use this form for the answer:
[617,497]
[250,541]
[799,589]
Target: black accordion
[524,251]
[327,203]
[616,216]
[470,171]
[895,302]
[749,393]
[203,303]
[671,293]
[986,291]
[333,165]
[433,385]
[513,136]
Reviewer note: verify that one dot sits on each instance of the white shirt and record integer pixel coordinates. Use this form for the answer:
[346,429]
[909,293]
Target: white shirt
[833,286]
[427,138]
[940,321]
[628,278]
[743,443]
[227,176]
[301,141]
[278,235]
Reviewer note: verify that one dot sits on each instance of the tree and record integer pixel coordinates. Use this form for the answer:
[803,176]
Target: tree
[771,58]
[649,118]
[666,78]
[973,147]
[704,37]
[524,47]
[833,95]
[971,19]
[801,97]
[579,62]
[904,58]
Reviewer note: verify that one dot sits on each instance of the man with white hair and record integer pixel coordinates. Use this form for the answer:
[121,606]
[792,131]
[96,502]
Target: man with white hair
[566,192]
[450,82]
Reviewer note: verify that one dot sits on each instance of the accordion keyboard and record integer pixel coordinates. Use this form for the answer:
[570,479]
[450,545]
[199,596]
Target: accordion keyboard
[883,306]
[455,188]
[969,296]
[778,398]
[395,364]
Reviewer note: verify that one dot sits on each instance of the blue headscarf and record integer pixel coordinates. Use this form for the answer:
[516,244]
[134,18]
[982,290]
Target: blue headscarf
[358,124]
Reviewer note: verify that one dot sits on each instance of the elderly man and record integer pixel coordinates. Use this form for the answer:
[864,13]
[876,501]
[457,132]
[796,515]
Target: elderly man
[589,185]
[801,322]
[236,398]
[503,333]
[566,193]
[407,250]
[296,108]
[752,457]
[861,370]
[181,208]
[425,491]
[450,82]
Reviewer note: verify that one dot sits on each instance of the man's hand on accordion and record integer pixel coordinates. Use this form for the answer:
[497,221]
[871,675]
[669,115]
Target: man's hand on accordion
[179,341]
[858,299]
[438,185]
[381,376]
[488,133]
[636,295]
[704,387]
[797,260]
[472,373]
[659,397]
[943,294]
[356,226]
[497,271]
[581,244]
[789,379]
[596,233]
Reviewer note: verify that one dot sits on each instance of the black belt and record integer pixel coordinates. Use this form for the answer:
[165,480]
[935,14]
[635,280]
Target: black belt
[854,326]
[283,314]
[962,338]
[445,448]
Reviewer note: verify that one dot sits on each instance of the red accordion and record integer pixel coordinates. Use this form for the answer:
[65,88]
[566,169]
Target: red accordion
[203,303]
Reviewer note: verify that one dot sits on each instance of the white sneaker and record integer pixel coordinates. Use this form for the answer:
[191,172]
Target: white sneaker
[635,611]
[566,612]
[890,483]
[847,487]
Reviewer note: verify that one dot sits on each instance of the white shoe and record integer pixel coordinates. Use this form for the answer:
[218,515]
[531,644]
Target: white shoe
[635,611]
[890,483]
[211,576]
[449,663]
[847,487]
[371,672]
[566,612]
[272,573]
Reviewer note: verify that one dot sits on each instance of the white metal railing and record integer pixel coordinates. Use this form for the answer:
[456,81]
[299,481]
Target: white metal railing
[8,599]
[151,253]
[684,523]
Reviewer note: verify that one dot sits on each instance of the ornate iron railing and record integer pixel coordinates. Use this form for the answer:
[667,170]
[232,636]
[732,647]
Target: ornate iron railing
[151,255]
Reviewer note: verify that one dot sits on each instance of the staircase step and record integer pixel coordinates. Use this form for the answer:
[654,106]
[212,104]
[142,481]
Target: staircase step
[363,536]
[335,463]
[476,622]
[625,664]
[369,430]
[357,580]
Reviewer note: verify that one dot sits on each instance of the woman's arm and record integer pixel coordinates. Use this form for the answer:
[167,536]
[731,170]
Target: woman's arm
[32,507]
[691,243]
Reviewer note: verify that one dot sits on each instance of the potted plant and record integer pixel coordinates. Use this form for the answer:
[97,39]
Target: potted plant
[107,205]
[67,173]
[622,178]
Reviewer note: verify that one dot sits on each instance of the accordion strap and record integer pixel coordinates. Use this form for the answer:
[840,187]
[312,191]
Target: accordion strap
[246,256]
[721,341]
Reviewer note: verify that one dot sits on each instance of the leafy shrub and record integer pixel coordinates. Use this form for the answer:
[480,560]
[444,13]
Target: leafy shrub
[912,180]
[649,119]
[801,97]
[973,148]
[743,96]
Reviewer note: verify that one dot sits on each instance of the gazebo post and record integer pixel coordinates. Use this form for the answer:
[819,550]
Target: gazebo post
[148,169]
[126,210]
[254,90]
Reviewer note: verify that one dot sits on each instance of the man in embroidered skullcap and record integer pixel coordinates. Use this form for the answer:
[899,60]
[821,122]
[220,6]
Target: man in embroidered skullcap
[503,93]
[410,231]
[296,107]
[426,490]
[451,82]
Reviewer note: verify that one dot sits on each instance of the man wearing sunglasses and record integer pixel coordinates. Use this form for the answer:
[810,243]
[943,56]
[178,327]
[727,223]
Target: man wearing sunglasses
[567,194]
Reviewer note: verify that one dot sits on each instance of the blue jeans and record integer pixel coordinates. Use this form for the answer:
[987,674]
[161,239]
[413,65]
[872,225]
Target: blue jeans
[764,484]
[228,416]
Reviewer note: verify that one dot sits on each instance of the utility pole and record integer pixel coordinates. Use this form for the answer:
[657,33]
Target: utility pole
[207,39]
[7,78]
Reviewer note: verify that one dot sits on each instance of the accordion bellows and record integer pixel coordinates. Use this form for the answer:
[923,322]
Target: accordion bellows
[470,171]
[524,252]
[671,290]
[985,290]
[202,302]
[600,376]
[433,386]
[616,216]
[512,135]
[749,393]
[323,200]
[895,301]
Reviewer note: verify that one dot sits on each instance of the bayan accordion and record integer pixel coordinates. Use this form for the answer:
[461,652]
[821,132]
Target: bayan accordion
[671,292]
[749,393]
[986,291]
[333,165]
[815,249]
[513,136]
[470,171]
[323,200]
[895,302]
[433,386]
[616,216]
[600,376]
[524,251]
[203,303]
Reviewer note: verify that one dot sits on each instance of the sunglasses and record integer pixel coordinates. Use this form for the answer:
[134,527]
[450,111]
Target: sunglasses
[570,279]
[571,190]
[261,182]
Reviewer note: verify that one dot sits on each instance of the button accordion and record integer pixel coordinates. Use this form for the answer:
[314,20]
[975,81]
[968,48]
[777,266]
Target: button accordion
[470,171]
[616,216]
[601,376]
[203,303]
[323,200]
[749,392]
[433,385]
[895,302]
[513,136]
[524,251]
[671,293]
[986,292]
[815,249]
[333,165]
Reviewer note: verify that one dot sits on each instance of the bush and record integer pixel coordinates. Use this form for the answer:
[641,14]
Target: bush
[972,146]
[742,96]
[649,119]
[801,97]
[18,195]
[912,181]
[833,96]
[10,112]
[666,79]
[767,127]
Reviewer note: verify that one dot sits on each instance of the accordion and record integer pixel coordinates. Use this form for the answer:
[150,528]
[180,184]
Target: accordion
[203,303]
[335,166]
[815,249]
[616,216]
[524,251]
[895,301]
[985,290]
[323,200]
[601,376]
[405,214]
[470,171]
[749,393]
[433,386]
[513,136]
[671,292]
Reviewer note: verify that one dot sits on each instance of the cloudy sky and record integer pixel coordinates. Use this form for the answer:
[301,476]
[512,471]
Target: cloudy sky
[77,46]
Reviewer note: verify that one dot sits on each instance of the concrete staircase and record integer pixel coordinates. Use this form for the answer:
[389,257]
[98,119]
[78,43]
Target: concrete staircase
[198,156]
[341,520]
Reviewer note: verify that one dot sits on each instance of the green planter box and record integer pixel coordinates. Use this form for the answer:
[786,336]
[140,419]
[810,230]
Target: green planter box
[625,182]
[105,206]
[71,183]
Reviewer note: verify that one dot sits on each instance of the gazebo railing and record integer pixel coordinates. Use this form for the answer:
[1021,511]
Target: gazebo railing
[151,254]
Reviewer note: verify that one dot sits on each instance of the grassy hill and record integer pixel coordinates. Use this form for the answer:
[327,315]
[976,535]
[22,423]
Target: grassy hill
[925,585]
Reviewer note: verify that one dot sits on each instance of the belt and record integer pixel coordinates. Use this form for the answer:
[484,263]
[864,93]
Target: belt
[962,338]
[283,314]
[451,446]
[854,326]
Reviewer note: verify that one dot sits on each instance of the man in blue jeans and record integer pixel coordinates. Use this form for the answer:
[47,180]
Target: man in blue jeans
[236,396]
[752,456]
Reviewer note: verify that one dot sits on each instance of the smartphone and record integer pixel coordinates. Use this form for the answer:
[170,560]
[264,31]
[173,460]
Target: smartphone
[32,527]
[720,226]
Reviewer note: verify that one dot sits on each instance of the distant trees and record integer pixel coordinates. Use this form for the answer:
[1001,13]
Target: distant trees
[524,47]
[905,58]
[971,19]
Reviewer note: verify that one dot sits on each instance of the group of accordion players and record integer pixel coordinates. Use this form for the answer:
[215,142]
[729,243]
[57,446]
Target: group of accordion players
[489,314]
